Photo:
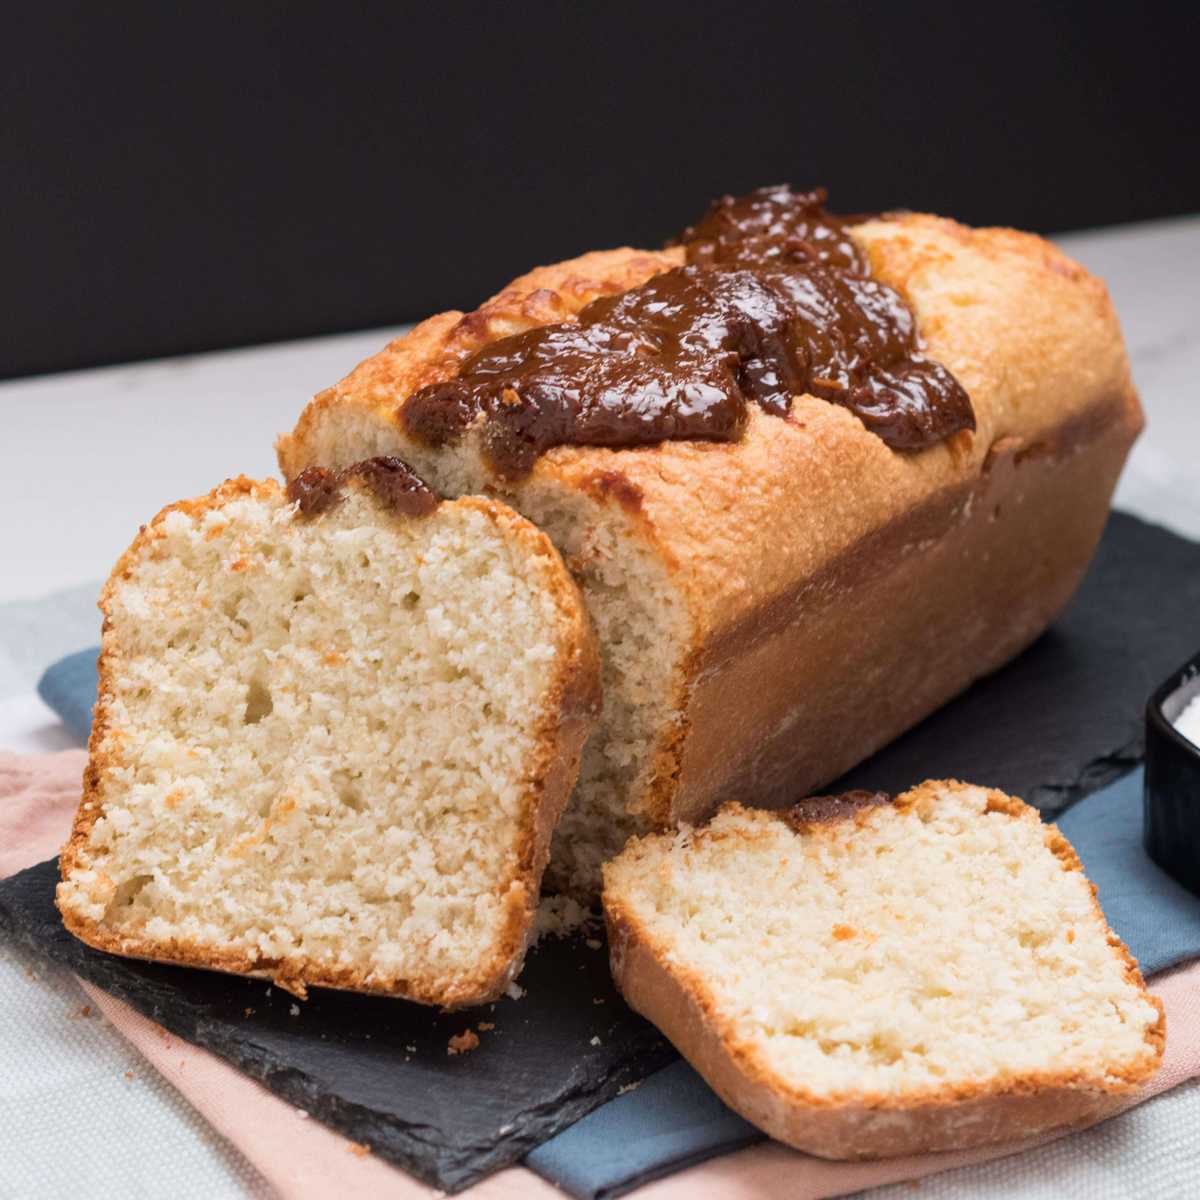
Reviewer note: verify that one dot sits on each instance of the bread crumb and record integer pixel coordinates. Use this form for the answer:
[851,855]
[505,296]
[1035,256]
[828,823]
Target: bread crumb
[129,1075]
[294,1010]
[628,1087]
[595,1041]
[842,933]
[359,1148]
[484,1026]
[84,1012]
[249,1012]
[558,916]
[460,1043]
[302,1114]
[410,1049]
[1070,935]
[593,943]
[599,1000]
[514,991]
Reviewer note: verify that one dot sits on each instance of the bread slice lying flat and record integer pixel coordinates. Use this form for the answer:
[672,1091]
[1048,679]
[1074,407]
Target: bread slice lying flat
[331,748]
[862,977]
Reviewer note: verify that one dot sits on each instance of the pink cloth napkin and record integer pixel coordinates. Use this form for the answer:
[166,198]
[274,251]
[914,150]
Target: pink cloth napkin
[301,1158]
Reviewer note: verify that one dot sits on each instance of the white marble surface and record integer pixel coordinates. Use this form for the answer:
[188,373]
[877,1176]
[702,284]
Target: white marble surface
[88,455]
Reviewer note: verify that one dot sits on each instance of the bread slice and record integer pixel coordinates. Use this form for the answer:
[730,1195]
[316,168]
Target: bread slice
[863,978]
[332,738]
[723,579]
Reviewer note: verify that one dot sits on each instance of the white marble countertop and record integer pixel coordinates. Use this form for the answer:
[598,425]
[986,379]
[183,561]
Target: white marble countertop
[90,455]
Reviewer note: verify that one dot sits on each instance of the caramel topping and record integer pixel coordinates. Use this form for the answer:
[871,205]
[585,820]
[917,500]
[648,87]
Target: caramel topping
[316,490]
[815,811]
[776,301]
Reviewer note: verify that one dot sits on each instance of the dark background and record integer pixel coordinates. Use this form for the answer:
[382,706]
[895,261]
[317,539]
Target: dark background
[179,177]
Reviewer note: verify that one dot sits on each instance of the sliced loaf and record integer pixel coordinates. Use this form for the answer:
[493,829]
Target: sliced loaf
[334,733]
[862,977]
[724,579]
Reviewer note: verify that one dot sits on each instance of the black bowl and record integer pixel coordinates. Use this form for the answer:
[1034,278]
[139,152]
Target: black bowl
[1171,815]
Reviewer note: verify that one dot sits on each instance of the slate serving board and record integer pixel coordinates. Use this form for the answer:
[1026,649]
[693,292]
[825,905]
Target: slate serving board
[378,1070]
[1062,720]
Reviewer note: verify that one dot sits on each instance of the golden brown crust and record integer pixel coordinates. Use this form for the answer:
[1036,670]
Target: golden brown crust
[573,703]
[811,514]
[864,1124]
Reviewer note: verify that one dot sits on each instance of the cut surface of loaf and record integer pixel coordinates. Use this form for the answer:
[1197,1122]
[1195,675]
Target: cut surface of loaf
[863,978]
[726,579]
[331,748]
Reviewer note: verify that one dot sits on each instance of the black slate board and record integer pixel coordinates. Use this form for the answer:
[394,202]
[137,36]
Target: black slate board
[378,1070]
[1060,721]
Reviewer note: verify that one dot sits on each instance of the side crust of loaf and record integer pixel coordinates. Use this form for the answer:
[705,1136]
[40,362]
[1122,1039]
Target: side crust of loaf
[573,702]
[867,1125]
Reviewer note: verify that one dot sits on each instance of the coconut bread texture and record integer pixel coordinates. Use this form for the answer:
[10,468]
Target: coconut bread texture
[330,749]
[773,610]
[862,977]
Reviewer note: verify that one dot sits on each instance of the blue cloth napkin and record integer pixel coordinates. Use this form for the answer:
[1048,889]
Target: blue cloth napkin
[673,1120]
[69,688]
[1157,918]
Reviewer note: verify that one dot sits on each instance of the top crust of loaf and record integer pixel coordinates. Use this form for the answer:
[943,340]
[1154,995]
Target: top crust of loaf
[572,705]
[660,983]
[1030,334]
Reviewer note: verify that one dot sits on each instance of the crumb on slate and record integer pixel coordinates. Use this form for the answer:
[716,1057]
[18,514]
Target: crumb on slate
[484,1026]
[514,991]
[294,1010]
[593,943]
[595,1041]
[249,1012]
[460,1043]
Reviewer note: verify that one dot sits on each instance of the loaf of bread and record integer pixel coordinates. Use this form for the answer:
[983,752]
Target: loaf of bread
[863,978]
[780,599]
[335,729]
